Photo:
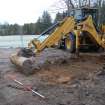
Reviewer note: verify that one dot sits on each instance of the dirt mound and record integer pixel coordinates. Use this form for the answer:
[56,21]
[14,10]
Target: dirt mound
[55,76]
[46,58]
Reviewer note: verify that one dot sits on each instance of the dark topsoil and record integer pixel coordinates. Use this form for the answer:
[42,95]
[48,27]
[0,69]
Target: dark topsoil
[63,81]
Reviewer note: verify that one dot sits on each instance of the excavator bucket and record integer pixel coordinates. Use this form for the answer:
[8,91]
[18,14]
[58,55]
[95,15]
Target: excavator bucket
[23,60]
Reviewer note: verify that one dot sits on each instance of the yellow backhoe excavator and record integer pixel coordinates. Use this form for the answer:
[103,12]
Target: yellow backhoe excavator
[89,34]
[75,33]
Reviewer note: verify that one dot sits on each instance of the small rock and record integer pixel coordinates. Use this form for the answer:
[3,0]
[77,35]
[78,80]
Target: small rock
[64,79]
[74,86]
[101,73]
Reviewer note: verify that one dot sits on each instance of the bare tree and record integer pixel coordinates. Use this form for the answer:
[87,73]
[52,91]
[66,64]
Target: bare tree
[99,5]
[99,2]
[69,2]
[70,5]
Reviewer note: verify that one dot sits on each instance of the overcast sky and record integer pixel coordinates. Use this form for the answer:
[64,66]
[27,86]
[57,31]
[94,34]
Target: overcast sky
[22,11]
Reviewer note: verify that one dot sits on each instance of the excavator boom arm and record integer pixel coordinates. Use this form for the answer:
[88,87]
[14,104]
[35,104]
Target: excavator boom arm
[66,26]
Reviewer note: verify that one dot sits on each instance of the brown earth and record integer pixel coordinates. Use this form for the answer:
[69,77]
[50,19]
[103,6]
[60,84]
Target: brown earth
[75,81]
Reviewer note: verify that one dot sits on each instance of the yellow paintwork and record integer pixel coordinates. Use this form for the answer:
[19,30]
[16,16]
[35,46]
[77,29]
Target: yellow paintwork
[103,28]
[77,34]
[68,43]
[66,26]
[88,26]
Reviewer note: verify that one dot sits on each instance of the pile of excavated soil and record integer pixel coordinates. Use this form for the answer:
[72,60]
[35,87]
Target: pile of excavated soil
[44,59]
[77,81]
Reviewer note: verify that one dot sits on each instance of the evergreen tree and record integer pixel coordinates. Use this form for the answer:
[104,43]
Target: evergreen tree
[46,20]
[39,26]
[60,16]
[43,22]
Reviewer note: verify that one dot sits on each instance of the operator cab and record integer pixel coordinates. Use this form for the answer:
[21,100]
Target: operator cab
[82,13]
